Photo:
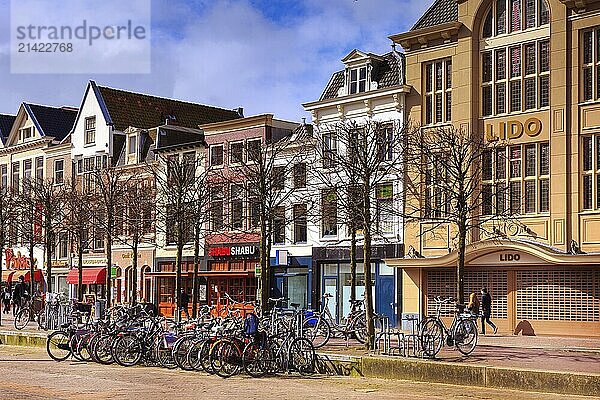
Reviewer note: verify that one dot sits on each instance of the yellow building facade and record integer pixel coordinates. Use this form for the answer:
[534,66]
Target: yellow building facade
[524,73]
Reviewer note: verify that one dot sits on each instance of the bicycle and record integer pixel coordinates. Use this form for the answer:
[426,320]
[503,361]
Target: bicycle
[26,311]
[321,325]
[462,333]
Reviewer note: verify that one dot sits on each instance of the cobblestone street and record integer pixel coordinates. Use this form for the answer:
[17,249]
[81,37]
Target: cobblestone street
[28,373]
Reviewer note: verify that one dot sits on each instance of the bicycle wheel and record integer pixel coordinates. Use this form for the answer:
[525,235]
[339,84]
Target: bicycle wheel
[57,345]
[225,358]
[359,328]
[83,347]
[255,360]
[180,351]
[465,336]
[432,337]
[317,330]
[103,349]
[301,356]
[22,318]
[164,353]
[194,354]
[127,351]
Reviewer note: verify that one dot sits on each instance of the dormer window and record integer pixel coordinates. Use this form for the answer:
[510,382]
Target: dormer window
[132,144]
[26,133]
[358,80]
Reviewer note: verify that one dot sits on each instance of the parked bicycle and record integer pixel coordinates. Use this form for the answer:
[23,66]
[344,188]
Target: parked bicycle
[461,334]
[320,326]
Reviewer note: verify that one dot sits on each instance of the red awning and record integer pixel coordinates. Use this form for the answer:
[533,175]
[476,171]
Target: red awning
[25,273]
[89,276]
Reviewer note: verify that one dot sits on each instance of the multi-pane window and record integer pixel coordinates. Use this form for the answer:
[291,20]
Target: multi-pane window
[278,178]
[300,212]
[329,212]
[279,225]
[14,179]
[385,212]
[525,189]
[253,149]
[3,178]
[62,248]
[216,208]
[59,172]
[132,144]
[236,152]
[254,210]
[216,155]
[385,142]
[438,91]
[26,174]
[591,172]
[329,150]
[299,175]
[526,86]
[26,133]
[510,16]
[591,64]
[90,130]
[358,80]
[237,206]
[39,169]
[437,205]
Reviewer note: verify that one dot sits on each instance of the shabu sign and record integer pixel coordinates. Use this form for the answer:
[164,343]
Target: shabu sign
[246,250]
[513,129]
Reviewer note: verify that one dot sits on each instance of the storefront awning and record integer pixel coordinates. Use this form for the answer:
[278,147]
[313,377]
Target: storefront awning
[89,276]
[13,276]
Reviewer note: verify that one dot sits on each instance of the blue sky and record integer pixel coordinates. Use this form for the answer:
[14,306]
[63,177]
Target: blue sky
[265,56]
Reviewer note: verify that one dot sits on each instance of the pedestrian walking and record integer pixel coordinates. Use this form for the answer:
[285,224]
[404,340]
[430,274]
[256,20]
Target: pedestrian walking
[19,294]
[486,311]
[473,305]
[6,300]
[182,305]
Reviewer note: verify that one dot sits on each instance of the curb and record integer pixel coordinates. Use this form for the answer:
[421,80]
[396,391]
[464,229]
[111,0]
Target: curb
[484,376]
[32,339]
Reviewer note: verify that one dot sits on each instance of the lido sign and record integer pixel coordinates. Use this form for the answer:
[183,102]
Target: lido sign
[513,129]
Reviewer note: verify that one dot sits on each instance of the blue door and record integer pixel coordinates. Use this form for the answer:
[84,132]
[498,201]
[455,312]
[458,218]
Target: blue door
[385,297]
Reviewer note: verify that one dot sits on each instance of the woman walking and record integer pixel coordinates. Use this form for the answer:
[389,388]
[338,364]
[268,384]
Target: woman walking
[486,311]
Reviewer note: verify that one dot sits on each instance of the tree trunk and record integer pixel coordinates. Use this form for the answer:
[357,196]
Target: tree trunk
[108,283]
[460,268]
[134,271]
[367,267]
[352,264]
[49,245]
[195,277]
[80,271]
[31,270]
[264,262]
[178,278]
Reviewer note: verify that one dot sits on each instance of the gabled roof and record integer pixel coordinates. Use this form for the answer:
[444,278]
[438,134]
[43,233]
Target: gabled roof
[6,123]
[144,111]
[386,72]
[440,12]
[55,122]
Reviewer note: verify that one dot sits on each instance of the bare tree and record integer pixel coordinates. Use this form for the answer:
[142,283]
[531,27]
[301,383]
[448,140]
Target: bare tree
[111,188]
[262,177]
[357,158]
[182,207]
[445,171]
[80,209]
[8,214]
[30,222]
[138,220]
[49,203]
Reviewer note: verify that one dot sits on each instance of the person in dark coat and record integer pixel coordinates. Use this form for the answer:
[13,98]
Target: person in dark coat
[20,294]
[486,311]
[182,305]
[6,295]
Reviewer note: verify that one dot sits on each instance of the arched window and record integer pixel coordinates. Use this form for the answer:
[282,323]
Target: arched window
[510,16]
